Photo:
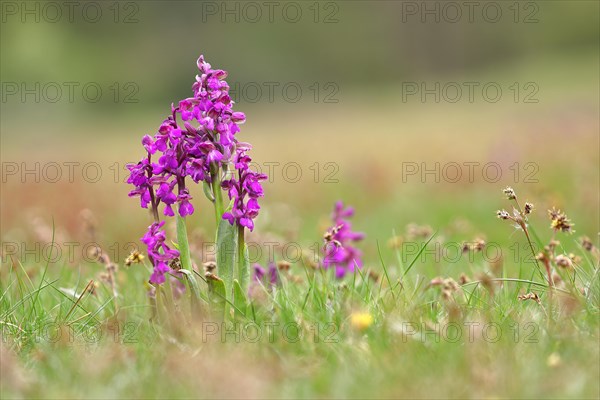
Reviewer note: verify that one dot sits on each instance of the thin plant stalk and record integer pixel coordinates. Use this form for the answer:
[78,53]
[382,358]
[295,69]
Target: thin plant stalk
[216,190]
[522,223]
[241,264]
[182,241]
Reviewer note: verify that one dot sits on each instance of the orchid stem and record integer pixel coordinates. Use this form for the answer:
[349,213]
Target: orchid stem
[241,264]
[182,241]
[216,189]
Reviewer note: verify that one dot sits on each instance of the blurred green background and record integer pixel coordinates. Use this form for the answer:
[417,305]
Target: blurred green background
[353,62]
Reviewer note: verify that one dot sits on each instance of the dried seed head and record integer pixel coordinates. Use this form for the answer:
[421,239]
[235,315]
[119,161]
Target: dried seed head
[95,253]
[528,208]
[463,279]
[541,256]
[530,296]
[446,294]
[563,261]
[134,258]
[479,244]
[92,288]
[111,267]
[450,285]
[556,279]
[487,282]
[210,266]
[476,245]
[586,243]
[552,245]
[374,276]
[105,277]
[99,255]
[436,281]
[414,231]
[502,214]
[510,193]
[559,221]
[283,265]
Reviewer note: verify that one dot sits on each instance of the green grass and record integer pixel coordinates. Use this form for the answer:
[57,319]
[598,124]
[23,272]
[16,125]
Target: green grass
[60,343]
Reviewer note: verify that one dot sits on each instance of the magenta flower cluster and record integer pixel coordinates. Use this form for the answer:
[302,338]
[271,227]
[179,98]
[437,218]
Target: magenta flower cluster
[340,252]
[244,191]
[185,150]
[158,251]
[195,141]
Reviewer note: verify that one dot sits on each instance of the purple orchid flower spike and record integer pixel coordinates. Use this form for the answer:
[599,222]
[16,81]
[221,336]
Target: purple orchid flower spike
[339,250]
[184,150]
[159,253]
[196,140]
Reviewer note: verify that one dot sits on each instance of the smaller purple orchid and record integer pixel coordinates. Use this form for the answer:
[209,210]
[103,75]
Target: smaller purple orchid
[339,251]
[158,251]
[260,275]
[263,278]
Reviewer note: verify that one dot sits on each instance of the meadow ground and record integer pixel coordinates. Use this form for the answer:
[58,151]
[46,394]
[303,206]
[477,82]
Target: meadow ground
[421,319]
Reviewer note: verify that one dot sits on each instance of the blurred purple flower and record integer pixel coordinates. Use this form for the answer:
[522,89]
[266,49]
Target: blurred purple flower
[339,250]
[260,275]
